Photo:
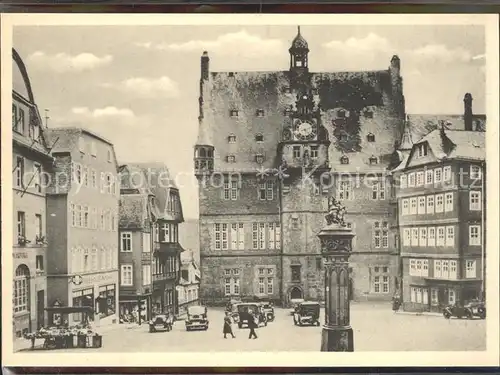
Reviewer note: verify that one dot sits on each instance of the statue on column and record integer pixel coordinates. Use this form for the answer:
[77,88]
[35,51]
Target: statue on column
[335,213]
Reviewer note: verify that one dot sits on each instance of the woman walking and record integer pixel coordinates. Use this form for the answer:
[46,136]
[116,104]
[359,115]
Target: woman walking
[227,326]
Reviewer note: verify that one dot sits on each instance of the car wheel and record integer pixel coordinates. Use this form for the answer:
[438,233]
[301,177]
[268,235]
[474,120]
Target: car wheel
[446,315]
[240,325]
[469,315]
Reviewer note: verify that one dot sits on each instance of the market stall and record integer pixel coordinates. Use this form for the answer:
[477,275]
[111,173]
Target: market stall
[60,335]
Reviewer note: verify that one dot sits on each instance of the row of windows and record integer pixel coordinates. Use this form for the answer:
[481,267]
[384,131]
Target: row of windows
[421,295]
[443,269]
[126,242]
[83,175]
[232,236]
[437,203]
[434,176]
[438,236]
[90,260]
[345,189]
[83,216]
[91,149]
[19,121]
[22,180]
[22,235]
[148,271]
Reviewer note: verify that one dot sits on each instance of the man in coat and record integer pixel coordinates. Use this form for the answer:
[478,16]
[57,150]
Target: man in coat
[253,322]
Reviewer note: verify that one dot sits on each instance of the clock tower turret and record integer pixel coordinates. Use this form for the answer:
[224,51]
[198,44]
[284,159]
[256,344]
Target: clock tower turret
[299,51]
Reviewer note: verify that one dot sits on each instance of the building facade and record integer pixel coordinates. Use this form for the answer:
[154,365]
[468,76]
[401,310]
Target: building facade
[136,225]
[82,223]
[30,161]
[189,284]
[441,198]
[272,147]
[166,208]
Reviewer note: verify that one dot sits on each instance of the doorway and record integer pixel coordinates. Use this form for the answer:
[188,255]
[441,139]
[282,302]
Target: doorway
[40,309]
[296,293]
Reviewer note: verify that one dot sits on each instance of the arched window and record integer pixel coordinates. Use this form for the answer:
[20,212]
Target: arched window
[231,138]
[344,160]
[370,137]
[373,160]
[21,289]
[259,138]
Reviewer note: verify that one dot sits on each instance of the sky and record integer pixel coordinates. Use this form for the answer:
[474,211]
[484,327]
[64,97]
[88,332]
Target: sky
[138,86]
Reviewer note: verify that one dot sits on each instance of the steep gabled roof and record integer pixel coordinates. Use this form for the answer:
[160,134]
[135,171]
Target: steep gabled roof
[133,211]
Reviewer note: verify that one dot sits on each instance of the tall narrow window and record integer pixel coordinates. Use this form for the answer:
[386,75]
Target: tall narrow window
[224,236]
[126,241]
[255,236]
[19,180]
[271,235]
[450,236]
[475,200]
[430,204]
[241,237]
[474,235]
[262,236]
[38,226]
[126,275]
[21,224]
[37,178]
[344,190]
[376,234]
[278,236]
[234,236]
[448,202]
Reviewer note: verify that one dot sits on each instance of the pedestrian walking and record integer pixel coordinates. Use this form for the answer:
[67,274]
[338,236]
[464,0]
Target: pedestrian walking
[228,329]
[253,323]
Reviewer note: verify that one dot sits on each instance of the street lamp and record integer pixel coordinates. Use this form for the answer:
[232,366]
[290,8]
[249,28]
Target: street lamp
[336,247]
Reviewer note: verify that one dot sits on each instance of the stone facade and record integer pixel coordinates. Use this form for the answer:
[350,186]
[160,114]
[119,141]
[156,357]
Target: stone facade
[332,127]
[30,162]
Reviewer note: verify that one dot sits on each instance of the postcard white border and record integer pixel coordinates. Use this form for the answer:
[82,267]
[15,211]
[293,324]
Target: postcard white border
[490,357]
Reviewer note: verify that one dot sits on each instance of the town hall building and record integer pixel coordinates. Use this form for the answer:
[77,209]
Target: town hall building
[272,147]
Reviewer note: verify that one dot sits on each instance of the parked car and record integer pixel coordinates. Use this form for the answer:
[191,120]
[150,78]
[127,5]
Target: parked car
[307,313]
[470,310]
[294,303]
[197,318]
[268,310]
[159,323]
[247,310]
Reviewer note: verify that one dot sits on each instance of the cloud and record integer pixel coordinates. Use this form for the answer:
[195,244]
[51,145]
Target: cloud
[441,53]
[148,87]
[374,51]
[237,43]
[479,57]
[62,62]
[103,112]
[372,42]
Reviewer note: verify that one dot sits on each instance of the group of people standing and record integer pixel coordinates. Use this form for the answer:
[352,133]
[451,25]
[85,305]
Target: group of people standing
[252,324]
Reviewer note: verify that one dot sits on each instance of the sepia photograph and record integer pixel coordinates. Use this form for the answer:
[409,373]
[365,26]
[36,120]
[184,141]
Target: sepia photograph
[245,184]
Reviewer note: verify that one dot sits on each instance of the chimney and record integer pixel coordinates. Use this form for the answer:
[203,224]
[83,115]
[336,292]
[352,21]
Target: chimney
[204,66]
[468,111]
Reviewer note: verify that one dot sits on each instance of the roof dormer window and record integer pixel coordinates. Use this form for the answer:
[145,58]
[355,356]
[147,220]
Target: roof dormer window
[231,138]
[421,150]
[230,74]
[344,160]
[259,158]
[370,137]
[373,160]
[233,113]
[259,138]
[259,113]
[231,159]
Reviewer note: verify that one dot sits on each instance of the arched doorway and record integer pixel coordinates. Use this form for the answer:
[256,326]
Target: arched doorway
[296,293]
[21,289]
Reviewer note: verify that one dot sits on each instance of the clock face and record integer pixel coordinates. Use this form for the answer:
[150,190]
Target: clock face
[304,130]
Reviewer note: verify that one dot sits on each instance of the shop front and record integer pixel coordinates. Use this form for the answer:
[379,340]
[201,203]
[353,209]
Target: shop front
[96,291]
[131,305]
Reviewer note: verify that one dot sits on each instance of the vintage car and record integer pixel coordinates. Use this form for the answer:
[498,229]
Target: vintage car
[232,309]
[159,323]
[294,303]
[196,318]
[246,311]
[268,308]
[469,310]
[307,313]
